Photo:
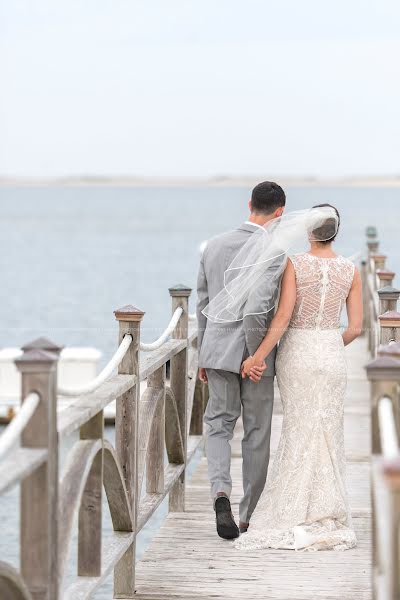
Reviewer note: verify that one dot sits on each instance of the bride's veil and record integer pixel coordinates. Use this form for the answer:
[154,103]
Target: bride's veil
[251,282]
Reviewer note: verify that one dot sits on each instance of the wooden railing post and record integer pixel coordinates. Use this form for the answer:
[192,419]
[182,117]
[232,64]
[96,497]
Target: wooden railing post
[179,384]
[372,240]
[391,350]
[199,407]
[156,448]
[390,326]
[90,512]
[126,440]
[43,343]
[384,376]
[365,295]
[199,401]
[196,423]
[385,277]
[388,297]
[371,326]
[379,260]
[39,491]
[373,245]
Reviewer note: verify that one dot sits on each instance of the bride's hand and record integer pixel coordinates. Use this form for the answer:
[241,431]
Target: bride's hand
[253,368]
[256,372]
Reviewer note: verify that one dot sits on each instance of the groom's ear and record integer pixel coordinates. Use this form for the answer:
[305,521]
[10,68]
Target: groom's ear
[250,206]
[279,212]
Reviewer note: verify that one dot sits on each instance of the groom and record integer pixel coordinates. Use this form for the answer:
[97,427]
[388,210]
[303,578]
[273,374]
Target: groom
[222,349]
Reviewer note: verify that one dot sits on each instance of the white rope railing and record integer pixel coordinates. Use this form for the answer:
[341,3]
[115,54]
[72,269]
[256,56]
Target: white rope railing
[119,355]
[387,427]
[105,373]
[163,337]
[11,435]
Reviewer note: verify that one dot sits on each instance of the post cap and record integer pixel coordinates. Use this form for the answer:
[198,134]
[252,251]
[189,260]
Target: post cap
[180,290]
[390,318]
[377,257]
[389,290]
[371,231]
[392,349]
[42,343]
[385,273]
[383,368]
[36,360]
[129,313]
[373,245]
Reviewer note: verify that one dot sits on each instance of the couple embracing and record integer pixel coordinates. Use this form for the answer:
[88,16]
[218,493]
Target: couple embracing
[263,313]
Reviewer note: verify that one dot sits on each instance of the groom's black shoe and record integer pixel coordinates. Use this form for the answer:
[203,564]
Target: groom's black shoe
[226,526]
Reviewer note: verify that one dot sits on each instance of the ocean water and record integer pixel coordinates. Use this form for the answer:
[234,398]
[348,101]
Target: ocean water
[69,256]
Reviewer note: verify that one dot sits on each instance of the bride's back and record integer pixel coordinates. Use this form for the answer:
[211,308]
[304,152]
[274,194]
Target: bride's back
[322,285]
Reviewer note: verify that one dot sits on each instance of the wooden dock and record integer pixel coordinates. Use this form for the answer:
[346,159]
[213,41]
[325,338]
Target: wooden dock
[187,560]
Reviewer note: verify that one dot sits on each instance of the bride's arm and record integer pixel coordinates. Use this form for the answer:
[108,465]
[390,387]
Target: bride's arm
[354,310]
[278,324]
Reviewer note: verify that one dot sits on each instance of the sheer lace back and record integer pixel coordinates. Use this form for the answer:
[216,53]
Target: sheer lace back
[323,285]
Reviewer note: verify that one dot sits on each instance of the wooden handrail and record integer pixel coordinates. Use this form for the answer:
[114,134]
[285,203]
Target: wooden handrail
[154,360]
[83,408]
[165,416]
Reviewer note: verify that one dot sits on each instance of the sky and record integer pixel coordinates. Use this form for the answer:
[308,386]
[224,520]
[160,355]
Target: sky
[199,88]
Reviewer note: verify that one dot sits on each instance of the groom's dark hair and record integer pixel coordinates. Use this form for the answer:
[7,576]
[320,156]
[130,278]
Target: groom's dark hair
[267,197]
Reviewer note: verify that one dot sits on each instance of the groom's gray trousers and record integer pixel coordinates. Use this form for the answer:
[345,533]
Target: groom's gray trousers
[222,348]
[229,396]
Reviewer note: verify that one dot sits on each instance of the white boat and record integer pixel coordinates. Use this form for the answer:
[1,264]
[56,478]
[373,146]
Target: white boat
[76,366]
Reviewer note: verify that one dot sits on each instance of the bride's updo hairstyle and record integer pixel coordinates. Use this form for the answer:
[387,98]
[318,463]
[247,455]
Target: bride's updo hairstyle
[327,232]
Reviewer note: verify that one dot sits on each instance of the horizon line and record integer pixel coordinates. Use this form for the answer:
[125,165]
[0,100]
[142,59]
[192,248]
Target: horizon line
[205,180]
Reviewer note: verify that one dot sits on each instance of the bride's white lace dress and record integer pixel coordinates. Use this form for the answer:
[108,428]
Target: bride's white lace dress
[304,505]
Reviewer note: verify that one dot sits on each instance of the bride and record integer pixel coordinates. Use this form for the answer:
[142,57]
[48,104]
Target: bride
[304,505]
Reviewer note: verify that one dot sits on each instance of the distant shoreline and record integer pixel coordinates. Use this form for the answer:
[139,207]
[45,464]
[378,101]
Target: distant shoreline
[216,181]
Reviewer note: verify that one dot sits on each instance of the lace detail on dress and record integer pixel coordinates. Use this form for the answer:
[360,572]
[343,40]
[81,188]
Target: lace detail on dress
[323,285]
[304,505]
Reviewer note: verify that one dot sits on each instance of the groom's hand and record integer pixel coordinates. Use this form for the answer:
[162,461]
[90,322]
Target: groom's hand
[203,375]
[246,366]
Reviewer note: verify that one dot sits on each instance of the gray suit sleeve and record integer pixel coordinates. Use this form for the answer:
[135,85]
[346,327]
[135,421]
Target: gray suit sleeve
[202,301]
[256,325]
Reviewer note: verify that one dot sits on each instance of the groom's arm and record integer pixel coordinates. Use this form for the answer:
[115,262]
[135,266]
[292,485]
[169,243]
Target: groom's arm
[256,325]
[202,301]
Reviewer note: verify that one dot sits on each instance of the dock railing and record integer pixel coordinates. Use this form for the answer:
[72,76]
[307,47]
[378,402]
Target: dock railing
[166,419]
[382,326]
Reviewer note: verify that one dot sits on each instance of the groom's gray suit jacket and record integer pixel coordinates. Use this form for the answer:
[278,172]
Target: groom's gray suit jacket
[224,345]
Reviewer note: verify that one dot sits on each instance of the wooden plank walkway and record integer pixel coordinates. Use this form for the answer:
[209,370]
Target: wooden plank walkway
[186,560]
